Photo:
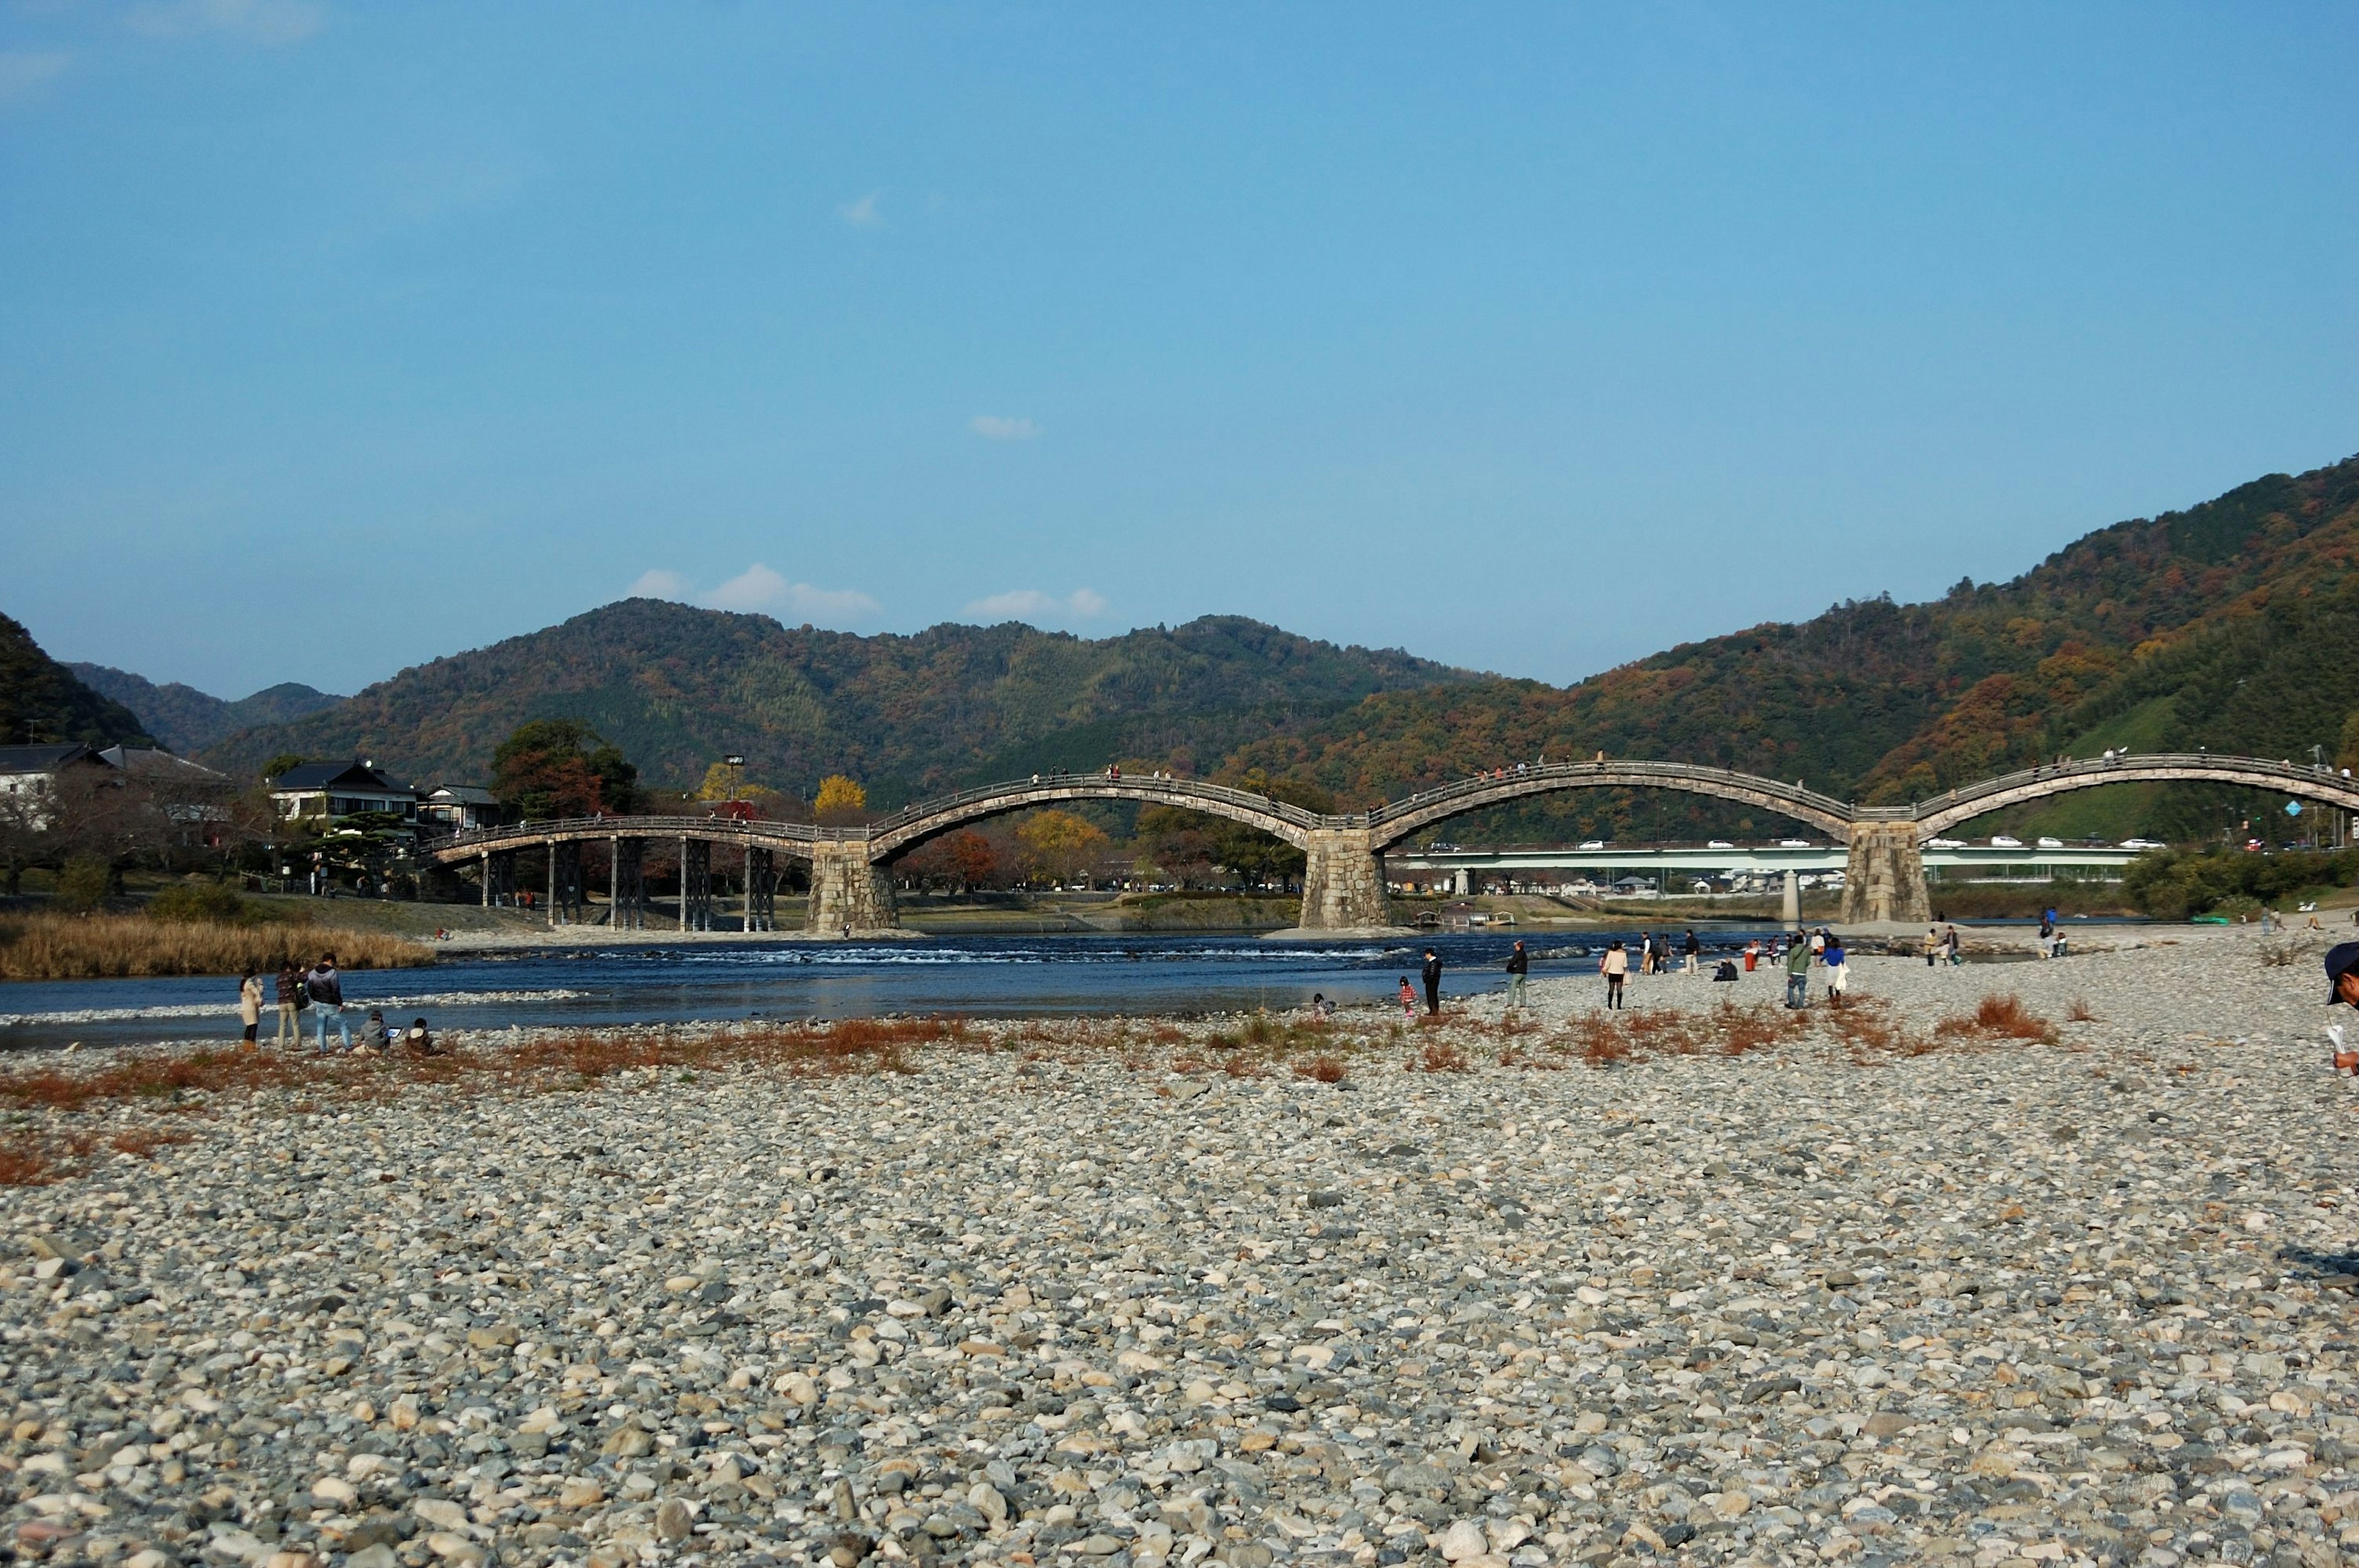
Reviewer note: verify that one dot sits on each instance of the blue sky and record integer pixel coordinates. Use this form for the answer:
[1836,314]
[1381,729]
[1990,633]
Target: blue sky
[334,336]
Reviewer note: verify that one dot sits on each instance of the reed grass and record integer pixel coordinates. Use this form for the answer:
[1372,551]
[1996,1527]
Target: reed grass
[129,946]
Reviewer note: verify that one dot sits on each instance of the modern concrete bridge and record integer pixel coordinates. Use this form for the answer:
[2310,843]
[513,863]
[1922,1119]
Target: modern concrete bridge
[1344,882]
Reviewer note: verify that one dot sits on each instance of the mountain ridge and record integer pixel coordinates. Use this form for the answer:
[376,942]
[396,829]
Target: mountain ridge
[186,720]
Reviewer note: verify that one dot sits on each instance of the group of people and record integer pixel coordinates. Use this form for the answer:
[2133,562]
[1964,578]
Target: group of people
[320,991]
[1941,945]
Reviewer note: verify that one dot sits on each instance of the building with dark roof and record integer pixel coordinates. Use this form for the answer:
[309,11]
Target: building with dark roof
[325,790]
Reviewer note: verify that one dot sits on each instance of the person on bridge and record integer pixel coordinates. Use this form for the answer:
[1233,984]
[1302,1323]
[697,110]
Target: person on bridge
[1616,967]
[1798,972]
[1519,965]
[1432,974]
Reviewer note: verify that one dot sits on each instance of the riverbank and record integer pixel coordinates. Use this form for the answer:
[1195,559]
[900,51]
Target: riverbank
[112,947]
[1946,1277]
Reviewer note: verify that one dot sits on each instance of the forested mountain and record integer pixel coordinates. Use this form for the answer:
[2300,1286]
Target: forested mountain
[677,687]
[41,702]
[187,719]
[2229,625]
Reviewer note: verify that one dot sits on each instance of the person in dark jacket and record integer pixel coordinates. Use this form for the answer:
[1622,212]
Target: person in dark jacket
[326,989]
[1519,966]
[1692,950]
[1432,974]
[290,1002]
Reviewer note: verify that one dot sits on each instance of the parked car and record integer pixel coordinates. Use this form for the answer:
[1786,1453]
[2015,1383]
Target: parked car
[2001,841]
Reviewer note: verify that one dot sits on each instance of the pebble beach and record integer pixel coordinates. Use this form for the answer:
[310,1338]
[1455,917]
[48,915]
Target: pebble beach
[2061,1279]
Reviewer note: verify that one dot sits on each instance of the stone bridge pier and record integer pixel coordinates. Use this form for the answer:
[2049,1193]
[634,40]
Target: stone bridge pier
[848,892]
[1885,877]
[1344,882]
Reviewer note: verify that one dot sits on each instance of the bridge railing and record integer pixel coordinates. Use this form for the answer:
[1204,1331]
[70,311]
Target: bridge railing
[1179,790]
[1666,771]
[2081,767]
[642,826]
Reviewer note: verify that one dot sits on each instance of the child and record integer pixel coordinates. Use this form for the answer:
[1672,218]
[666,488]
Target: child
[1409,1000]
[373,1039]
[420,1041]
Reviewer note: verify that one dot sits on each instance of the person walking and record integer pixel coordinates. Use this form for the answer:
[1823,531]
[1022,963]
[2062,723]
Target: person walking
[326,989]
[249,1007]
[291,1003]
[1798,972]
[1616,967]
[1692,950]
[1519,966]
[1432,974]
[1838,971]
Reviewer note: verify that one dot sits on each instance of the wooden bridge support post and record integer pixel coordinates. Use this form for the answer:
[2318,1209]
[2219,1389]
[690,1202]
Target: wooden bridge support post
[849,897]
[487,878]
[1344,882]
[499,878]
[626,883]
[695,886]
[1885,877]
[565,883]
[761,889]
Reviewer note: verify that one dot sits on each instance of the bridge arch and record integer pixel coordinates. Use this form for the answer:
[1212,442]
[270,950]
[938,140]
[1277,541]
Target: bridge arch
[907,828]
[1959,806]
[1401,818]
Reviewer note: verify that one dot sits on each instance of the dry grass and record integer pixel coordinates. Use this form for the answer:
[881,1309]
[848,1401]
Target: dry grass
[125,946]
[544,1065]
[2080,1011]
[1322,1069]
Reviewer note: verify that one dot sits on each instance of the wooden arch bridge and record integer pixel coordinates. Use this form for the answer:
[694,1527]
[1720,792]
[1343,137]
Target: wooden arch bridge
[1344,880]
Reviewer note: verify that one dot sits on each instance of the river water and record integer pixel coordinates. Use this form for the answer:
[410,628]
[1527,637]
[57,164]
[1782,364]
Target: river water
[990,976]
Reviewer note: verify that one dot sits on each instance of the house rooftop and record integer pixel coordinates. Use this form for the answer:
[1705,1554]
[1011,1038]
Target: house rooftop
[40,759]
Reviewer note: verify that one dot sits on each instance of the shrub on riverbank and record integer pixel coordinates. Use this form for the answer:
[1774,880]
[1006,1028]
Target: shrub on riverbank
[123,947]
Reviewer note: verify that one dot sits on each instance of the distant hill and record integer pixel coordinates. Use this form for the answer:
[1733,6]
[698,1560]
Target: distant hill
[42,702]
[187,719]
[2227,624]
[677,687]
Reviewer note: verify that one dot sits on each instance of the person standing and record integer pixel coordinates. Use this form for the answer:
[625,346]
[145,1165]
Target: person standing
[1616,967]
[1431,974]
[1932,946]
[1519,966]
[326,989]
[1692,951]
[291,1003]
[249,1007]
[1798,972]
[1752,955]
[1838,971]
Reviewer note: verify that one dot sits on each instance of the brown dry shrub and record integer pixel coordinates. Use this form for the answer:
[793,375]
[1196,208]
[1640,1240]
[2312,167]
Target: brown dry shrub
[1324,1069]
[2000,1018]
[1241,1066]
[25,1165]
[1441,1057]
[2080,1011]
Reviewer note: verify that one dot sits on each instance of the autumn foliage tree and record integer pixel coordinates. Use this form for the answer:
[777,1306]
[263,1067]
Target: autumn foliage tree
[1058,845]
[553,768]
[841,802]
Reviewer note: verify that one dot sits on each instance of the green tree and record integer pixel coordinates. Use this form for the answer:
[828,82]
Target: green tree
[279,764]
[560,767]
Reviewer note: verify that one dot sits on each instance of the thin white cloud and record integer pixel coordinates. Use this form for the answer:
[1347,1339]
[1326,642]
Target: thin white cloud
[995,428]
[1031,604]
[759,588]
[24,70]
[866,213]
[657,583]
[256,21]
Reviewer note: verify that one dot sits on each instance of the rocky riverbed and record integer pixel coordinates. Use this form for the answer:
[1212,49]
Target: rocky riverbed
[1892,1286]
